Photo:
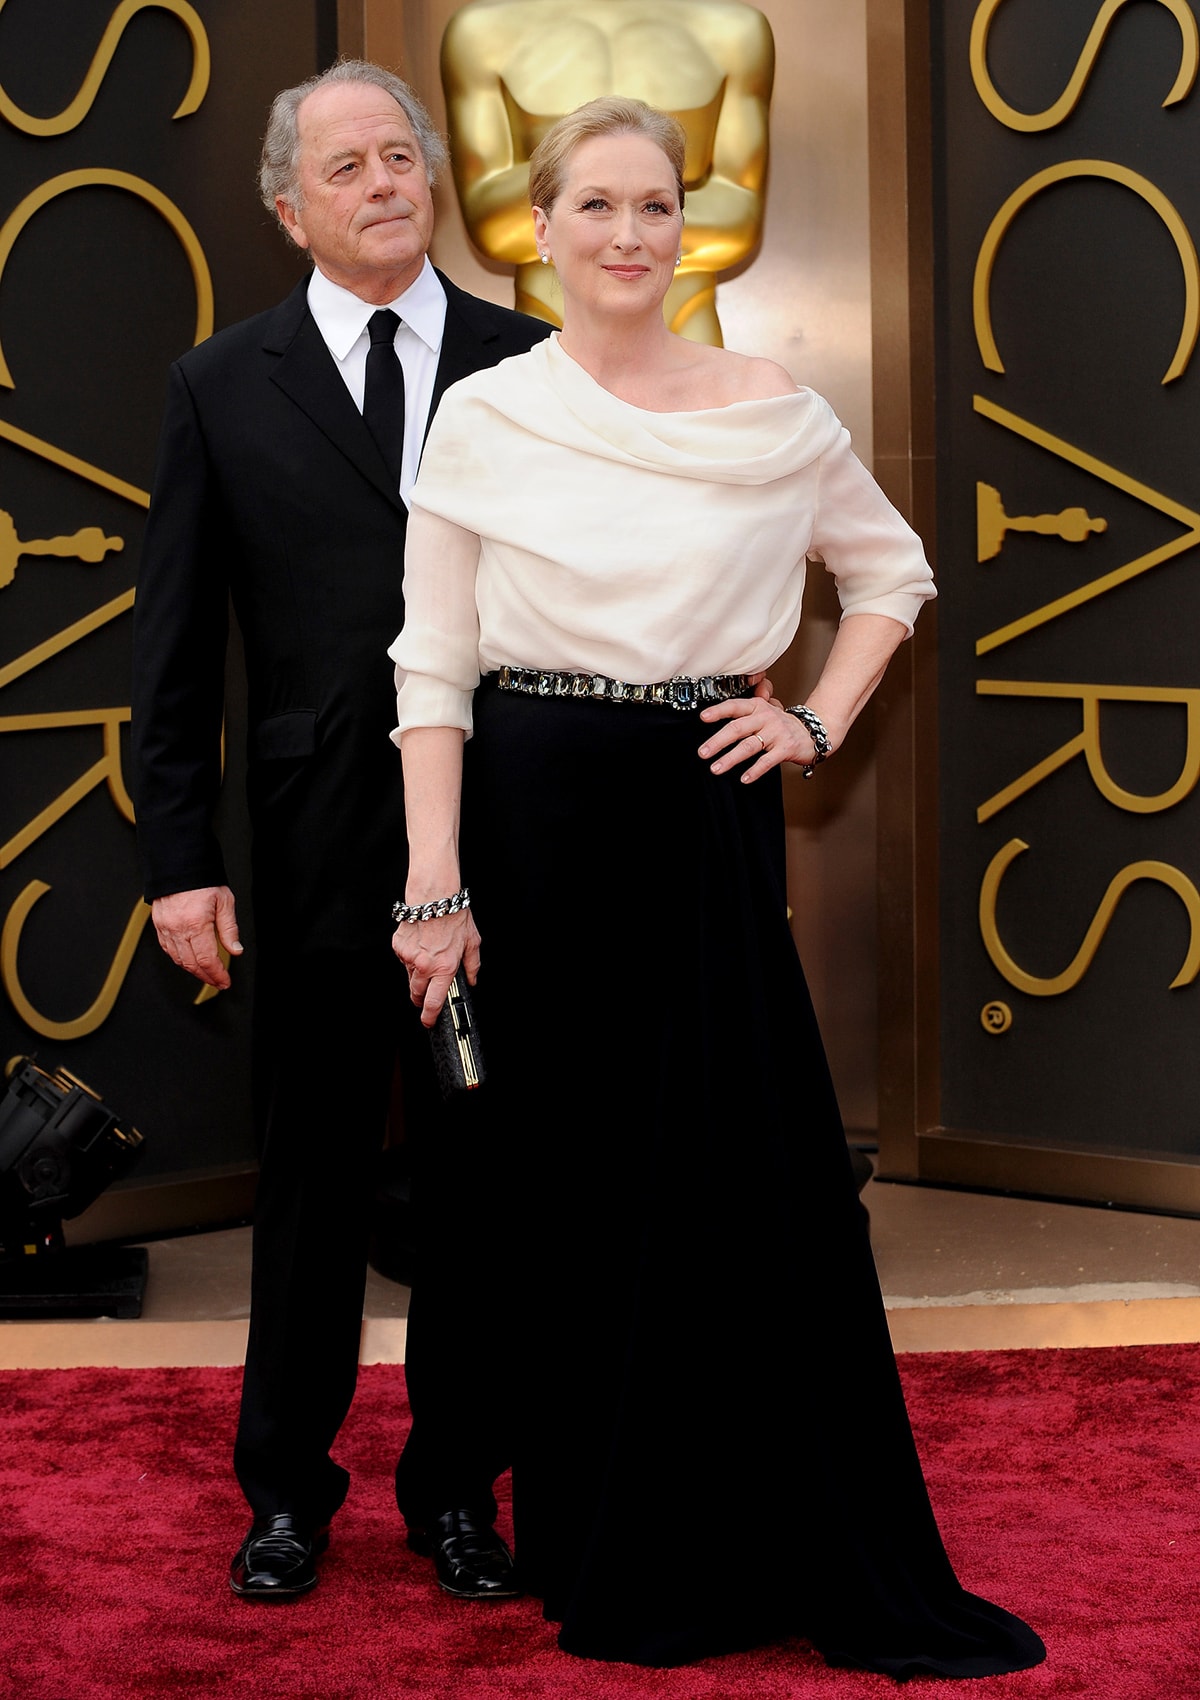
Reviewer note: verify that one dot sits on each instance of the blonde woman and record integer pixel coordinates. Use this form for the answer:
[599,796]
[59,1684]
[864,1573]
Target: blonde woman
[607,548]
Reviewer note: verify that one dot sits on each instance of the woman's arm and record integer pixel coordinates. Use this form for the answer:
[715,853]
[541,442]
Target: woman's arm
[882,578]
[856,663]
[432,950]
[759,728]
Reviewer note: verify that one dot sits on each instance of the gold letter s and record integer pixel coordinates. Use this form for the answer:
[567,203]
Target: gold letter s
[79,108]
[1071,975]
[99,1011]
[1066,103]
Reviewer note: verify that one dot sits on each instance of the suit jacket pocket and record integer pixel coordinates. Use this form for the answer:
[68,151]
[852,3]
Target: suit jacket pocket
[283,737]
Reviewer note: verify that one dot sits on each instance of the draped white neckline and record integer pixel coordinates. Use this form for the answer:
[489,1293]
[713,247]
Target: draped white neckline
[549,395]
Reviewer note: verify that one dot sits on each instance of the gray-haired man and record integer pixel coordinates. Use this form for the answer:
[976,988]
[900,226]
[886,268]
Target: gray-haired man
[281,484]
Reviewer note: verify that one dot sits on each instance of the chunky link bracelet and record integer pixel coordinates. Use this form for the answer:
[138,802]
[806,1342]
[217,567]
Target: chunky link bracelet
[815,727]
[432,911]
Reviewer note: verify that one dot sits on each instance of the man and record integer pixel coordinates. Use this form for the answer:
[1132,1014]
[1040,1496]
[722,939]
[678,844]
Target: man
[289,443]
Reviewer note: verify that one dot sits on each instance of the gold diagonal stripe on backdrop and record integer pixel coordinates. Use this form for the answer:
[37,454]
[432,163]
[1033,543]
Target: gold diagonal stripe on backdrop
[1109,475]
[72,463]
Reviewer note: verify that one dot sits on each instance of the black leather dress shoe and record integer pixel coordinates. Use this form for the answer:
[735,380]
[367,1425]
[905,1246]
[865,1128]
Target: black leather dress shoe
[471,1560]
[278,1558]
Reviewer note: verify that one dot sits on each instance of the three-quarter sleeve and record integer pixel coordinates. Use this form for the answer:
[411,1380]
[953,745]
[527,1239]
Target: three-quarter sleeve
[873,553]
[437,653]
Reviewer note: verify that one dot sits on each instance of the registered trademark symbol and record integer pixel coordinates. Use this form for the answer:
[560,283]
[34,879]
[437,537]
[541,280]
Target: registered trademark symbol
[995,1017]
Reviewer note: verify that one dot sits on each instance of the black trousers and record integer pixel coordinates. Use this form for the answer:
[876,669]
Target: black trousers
[329,1028]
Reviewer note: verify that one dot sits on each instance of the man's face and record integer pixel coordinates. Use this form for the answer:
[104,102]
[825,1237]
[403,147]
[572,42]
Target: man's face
[366,214]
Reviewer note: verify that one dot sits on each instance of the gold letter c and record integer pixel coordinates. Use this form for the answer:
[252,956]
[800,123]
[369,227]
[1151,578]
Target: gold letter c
[56,186]
[1060,174]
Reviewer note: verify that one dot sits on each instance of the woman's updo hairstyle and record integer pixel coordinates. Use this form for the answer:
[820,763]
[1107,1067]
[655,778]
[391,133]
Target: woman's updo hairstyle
[611,115]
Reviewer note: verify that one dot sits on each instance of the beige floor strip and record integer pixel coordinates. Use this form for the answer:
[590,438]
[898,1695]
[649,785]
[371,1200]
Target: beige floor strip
[992,1327]
[146,1345]
[383,1340]
[123,1345]
[925,1327]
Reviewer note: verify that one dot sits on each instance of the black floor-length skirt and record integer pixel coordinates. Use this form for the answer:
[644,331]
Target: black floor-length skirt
[712,1448]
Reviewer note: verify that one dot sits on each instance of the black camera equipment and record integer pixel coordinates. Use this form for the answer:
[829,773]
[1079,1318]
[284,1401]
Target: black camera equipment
[60,1146]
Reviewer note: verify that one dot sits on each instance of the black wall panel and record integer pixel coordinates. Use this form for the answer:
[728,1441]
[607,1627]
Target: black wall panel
[1069,518]
[98,293]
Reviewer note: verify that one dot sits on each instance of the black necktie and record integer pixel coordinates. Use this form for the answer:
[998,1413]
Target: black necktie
[383,397]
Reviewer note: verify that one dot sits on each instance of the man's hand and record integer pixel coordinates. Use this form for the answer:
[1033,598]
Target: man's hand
[190,927]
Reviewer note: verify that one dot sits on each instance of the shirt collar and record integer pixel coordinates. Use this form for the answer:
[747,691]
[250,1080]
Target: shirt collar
[342,317]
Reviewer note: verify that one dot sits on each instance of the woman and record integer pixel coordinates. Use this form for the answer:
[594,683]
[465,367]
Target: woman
[711,1444]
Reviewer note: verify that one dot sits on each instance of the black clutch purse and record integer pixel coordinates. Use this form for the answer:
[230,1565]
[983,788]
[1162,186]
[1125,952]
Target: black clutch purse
[457,1059]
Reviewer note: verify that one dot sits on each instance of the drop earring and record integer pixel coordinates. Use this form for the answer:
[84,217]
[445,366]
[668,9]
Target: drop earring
[544,257]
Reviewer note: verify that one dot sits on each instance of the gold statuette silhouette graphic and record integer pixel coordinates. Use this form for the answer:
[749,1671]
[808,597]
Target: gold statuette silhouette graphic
[511,68]
[992,524]
[87,544]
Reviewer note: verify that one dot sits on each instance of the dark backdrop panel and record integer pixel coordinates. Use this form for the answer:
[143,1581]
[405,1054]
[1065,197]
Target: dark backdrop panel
[1089,296]
[97,296]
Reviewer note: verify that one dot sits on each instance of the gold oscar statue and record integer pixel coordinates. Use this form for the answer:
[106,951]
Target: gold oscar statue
[511,68]
[88,544]
[992,524]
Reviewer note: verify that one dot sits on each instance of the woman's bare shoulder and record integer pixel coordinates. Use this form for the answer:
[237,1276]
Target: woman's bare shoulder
[760,379]
[744,377]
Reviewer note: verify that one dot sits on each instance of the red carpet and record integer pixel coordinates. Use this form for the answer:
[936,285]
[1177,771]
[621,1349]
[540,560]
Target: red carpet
[1066,1483]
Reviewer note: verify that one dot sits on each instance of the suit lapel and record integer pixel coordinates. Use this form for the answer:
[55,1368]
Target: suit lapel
[464,342]
[306,372]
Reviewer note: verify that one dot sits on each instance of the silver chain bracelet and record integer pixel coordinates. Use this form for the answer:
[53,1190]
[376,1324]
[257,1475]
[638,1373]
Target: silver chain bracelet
[434,911]
[815,727]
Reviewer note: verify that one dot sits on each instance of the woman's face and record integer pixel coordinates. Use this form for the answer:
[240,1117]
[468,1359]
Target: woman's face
[613,233]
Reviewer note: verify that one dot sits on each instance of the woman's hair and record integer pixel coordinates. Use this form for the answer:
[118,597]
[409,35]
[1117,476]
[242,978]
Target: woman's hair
[611,115]
[279,168]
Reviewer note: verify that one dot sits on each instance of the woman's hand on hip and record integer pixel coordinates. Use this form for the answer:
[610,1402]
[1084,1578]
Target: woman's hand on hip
[757,730]
[431,951]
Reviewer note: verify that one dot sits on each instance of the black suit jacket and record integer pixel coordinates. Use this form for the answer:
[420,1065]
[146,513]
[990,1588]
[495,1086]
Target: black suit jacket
[270,491]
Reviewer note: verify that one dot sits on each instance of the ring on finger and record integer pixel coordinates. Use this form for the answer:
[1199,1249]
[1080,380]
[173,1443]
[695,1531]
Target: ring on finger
[761,739]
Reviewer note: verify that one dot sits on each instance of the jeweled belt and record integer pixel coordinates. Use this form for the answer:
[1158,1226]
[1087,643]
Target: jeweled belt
[681,692]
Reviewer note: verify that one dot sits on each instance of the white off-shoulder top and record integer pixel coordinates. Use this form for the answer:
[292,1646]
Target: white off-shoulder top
[555,526]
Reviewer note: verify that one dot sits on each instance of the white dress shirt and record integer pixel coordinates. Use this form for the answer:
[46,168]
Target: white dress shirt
[342,320]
